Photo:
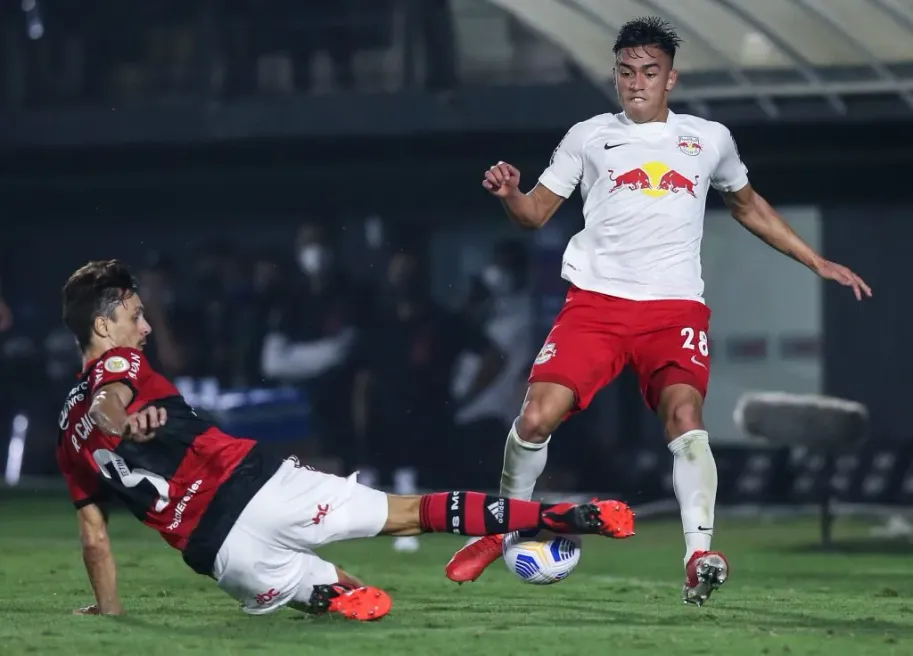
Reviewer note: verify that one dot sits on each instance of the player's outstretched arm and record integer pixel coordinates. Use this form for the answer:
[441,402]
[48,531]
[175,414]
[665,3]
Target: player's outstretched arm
[531,210]
[109,412]
[751,210]
[99,561]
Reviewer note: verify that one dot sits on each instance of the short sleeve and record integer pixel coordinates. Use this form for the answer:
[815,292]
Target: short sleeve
[730,173]
[82,483]
[120,365]
[566,166]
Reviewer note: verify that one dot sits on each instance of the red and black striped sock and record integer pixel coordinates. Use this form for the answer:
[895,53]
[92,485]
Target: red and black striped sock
[474,513]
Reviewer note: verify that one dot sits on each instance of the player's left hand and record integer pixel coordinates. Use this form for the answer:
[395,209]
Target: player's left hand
[141,425]
[839,273]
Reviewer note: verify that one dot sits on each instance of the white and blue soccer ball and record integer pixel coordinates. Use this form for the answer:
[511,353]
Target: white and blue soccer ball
[543,558]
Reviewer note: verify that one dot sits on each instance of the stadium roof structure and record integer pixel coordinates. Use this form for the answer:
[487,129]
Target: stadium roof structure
[772,58]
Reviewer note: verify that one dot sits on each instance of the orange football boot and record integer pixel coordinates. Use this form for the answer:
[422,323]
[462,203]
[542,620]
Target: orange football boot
[469,562]
[613,519]
[364,604]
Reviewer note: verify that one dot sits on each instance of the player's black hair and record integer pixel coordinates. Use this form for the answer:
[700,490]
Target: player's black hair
[94,290]
[648,31]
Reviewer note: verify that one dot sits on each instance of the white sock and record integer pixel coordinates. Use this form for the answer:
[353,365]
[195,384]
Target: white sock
[694,479]
[524,463]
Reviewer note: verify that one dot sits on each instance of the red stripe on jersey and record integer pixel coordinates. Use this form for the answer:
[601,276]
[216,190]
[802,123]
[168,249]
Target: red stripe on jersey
[208,464]
[167,483]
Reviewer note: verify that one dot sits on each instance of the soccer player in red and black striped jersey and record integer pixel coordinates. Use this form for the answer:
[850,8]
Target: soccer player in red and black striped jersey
[245,518]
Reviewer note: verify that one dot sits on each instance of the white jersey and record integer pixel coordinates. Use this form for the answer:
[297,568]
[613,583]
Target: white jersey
[644,189]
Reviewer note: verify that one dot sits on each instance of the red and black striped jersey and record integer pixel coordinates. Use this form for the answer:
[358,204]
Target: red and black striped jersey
[169,482]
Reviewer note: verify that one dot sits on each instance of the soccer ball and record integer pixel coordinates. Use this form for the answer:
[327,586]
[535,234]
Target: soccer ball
[542,558]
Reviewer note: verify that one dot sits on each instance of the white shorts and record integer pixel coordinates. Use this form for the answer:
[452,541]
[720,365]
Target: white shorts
[267,560]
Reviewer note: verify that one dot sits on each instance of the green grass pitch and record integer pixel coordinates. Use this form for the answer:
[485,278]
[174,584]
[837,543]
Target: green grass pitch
[783,598]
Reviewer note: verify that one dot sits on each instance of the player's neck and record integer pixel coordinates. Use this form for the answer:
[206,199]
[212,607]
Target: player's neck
[662,116]
[93,353]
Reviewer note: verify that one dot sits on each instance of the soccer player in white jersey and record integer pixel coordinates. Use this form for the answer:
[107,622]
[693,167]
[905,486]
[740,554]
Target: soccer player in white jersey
[636,293]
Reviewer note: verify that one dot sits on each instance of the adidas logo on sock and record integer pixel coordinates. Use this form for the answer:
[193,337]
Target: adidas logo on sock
[496,508]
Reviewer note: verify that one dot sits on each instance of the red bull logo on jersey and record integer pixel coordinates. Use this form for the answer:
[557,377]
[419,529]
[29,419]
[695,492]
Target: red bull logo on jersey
[654,179]
[691,146]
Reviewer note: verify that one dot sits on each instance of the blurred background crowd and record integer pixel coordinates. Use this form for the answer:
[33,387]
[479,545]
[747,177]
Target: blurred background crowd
[375,370]
[297,188]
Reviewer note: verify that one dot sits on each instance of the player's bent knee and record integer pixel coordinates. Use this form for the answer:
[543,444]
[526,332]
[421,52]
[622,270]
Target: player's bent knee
[543,410]
[685,417]
[681,410]
[535,424]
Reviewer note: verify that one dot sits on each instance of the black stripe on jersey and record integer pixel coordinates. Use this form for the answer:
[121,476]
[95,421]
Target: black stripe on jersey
[226,506]
[183,425]
[164,453]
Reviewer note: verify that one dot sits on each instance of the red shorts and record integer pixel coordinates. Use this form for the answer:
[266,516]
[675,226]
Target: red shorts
[595,336]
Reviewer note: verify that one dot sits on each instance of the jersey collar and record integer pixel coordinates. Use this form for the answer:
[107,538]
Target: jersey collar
[652,129]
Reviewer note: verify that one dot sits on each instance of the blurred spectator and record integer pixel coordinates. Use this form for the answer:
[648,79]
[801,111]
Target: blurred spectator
[402,403]
[7,375]
[269,292]
[171,346]
[27,392]
[503,306]
[220,287]
[313,334]
[62,362]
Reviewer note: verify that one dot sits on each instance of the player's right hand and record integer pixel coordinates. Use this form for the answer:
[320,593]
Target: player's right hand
[141,425]
[502,180]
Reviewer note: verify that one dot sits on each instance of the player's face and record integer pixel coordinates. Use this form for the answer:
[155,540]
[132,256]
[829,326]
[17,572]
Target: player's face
[129,327]
[643,78]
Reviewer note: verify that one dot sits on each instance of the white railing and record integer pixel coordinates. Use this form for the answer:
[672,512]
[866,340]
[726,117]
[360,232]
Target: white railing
[738,37]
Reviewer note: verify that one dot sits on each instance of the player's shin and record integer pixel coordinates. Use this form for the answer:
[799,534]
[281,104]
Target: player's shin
[694,478]
[474,513]
[524,463]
